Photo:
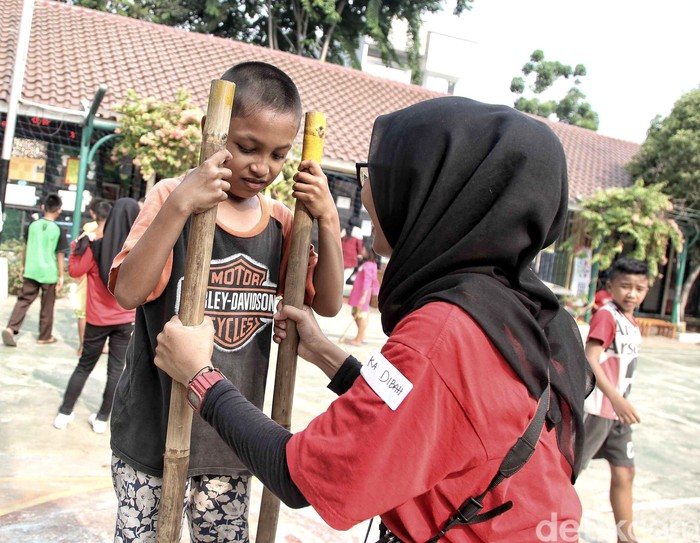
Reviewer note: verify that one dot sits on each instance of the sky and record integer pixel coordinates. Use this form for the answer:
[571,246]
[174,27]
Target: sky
[640,56]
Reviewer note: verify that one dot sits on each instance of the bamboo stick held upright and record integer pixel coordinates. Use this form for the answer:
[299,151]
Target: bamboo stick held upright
[191,313]
[294,289]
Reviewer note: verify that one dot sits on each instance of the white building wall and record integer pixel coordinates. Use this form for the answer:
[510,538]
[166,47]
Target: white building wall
[447,55]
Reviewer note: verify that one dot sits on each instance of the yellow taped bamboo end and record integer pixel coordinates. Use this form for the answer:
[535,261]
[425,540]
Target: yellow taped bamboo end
[314,136]
[222,92]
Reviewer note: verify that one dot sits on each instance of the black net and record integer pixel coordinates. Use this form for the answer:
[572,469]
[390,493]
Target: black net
[46,158]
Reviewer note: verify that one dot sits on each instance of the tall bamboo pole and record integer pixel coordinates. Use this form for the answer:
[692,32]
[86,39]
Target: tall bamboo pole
[191,313]
[294,288]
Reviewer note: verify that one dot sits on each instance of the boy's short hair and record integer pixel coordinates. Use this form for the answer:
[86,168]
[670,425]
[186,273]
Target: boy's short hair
[628,266]
[262,86]
[101,208]
[52,202]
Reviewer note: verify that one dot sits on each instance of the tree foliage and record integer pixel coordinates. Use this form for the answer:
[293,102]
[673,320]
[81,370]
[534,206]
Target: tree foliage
[633,220]
[160,137]
[671,152]
[571,109]
[13,251]
[323,29]
[671,155]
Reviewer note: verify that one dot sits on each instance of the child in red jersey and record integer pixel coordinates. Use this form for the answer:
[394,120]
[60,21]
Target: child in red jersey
[612,348]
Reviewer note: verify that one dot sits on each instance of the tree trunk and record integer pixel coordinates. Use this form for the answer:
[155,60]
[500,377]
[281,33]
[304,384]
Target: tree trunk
[687,287]
[150,182]
[271,26]
[298,11]
[329,35]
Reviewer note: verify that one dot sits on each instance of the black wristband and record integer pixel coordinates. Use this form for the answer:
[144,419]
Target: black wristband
[345,376]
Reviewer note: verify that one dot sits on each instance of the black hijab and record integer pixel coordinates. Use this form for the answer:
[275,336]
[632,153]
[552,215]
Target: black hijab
[119,221]
[467,194]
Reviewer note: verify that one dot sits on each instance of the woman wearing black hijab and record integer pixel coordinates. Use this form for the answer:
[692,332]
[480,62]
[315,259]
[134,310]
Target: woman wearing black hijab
[106,319]
[462,196]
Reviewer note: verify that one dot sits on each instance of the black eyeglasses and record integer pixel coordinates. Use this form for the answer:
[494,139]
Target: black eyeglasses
[362,169]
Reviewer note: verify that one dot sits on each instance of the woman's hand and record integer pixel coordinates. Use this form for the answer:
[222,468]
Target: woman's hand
[314,346]
[184,350]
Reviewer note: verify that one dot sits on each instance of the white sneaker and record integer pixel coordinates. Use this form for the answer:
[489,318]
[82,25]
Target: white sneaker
[98,426]
[61,421]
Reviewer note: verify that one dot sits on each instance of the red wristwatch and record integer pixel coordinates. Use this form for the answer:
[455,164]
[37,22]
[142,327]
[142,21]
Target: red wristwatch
[198,387]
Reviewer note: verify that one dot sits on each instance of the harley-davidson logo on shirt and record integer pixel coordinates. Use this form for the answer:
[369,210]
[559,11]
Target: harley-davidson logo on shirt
[240,300]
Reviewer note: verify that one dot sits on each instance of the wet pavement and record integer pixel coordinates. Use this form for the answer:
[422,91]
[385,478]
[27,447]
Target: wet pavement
[56,487]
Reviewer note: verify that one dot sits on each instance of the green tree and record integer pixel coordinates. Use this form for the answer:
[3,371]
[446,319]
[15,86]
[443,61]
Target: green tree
[689,261]
[154,11]
[161,137]
[671,152]
[572,109]
[671,155]
[323,29]
[14,251]
[633,220]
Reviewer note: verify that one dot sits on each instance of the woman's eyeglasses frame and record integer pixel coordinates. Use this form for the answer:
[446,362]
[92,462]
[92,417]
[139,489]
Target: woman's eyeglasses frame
[362,172]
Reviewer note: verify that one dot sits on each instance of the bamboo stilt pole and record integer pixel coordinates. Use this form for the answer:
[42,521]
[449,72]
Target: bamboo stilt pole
[294,289]
[191,313]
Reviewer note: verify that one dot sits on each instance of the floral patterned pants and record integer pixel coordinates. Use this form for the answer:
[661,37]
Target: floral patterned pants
[216,507]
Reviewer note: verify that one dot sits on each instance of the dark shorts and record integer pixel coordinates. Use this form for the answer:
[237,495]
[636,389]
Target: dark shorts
[608,439]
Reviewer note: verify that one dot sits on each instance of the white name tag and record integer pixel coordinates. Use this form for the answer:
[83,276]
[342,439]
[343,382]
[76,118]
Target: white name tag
[388,382]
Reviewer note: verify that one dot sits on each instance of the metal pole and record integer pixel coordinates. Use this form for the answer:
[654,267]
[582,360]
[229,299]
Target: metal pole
[680,272]
[25,27]
[673,259]
[85,136]
[90,160]
[592,286]
[98,144]
[681,262]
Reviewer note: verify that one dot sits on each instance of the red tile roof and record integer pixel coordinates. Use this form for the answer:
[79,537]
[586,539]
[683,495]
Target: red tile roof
[73,50]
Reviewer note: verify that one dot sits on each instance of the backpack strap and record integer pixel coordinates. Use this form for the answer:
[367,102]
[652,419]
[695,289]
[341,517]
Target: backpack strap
[515,459]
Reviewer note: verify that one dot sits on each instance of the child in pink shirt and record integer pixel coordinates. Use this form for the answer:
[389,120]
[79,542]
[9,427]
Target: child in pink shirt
[366,283]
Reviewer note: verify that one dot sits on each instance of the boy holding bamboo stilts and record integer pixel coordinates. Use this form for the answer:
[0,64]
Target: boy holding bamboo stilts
[248,265]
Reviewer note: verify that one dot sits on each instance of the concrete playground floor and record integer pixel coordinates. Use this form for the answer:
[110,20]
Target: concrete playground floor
[56,485]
